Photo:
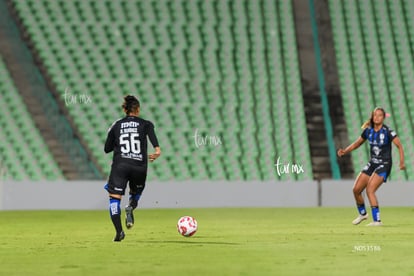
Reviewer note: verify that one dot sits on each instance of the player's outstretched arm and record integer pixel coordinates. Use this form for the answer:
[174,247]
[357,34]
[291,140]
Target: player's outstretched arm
[397,142]
[351,147]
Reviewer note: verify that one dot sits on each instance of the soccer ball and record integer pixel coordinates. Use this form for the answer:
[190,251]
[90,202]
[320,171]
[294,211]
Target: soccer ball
[187,226]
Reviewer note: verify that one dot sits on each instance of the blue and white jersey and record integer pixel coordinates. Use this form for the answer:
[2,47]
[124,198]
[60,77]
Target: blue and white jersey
[380,143]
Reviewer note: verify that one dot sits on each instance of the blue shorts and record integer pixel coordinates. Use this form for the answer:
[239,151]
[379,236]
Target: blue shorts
[382,169]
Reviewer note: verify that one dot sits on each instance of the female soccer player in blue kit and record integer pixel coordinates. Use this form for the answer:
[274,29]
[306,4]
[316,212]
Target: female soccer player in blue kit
[378,168]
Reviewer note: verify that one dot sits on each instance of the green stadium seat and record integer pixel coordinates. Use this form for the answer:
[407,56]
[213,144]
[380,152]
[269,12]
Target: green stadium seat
[188,76]
[23,153]
[362,34]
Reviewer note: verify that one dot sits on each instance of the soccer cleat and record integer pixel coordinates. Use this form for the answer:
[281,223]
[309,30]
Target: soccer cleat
[359,219]
[129,217]
[119,236]
[375,223]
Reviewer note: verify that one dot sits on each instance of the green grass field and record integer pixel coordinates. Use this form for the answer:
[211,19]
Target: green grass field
[278,241]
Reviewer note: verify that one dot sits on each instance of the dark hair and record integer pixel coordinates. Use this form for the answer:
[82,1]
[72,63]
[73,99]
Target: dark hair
[130,104]
[370,121]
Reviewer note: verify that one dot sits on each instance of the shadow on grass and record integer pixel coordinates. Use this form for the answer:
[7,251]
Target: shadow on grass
[190,240]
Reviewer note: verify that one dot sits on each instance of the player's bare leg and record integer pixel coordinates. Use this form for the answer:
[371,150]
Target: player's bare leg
[374,183]
[359,186]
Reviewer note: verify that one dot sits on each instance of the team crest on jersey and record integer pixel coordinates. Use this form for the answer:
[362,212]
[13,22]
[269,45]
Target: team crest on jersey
[376,150]
[382,136]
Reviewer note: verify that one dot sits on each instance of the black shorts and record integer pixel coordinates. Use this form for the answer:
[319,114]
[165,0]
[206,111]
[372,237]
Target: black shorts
[123,173]
[382,169]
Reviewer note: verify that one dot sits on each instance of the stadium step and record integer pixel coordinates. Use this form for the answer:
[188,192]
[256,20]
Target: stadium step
[55,130]
[311,95]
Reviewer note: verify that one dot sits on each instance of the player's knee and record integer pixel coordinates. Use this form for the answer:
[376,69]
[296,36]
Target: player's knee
[115,196]
[370,190]
[357,190]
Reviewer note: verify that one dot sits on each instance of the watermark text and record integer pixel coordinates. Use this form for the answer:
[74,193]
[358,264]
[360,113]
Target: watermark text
[71,99]
[287,168]
[206,140]
[366,248]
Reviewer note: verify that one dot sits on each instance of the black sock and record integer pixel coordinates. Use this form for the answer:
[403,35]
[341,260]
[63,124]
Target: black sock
[115,212]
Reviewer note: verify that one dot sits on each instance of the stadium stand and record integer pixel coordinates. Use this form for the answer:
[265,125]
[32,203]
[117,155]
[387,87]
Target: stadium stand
[374,49]
[23,153]
[220,79]
[227,69]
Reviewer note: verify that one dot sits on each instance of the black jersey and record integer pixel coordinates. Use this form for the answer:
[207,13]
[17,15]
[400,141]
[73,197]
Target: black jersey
[127,137]
[380,143]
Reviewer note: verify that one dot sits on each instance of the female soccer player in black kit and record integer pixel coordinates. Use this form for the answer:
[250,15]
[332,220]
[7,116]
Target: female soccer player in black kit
[378,168]
[127,138]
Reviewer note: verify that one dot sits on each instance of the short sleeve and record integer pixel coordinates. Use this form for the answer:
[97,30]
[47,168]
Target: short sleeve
[392,134]
[364,134]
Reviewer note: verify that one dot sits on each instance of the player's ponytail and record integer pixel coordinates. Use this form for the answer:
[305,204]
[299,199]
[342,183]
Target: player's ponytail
[131,104]
[370,121]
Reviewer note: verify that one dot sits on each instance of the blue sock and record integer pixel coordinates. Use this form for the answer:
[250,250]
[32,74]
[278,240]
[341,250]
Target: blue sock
[361,209]
[375,213]
[115,212]
[133,200]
